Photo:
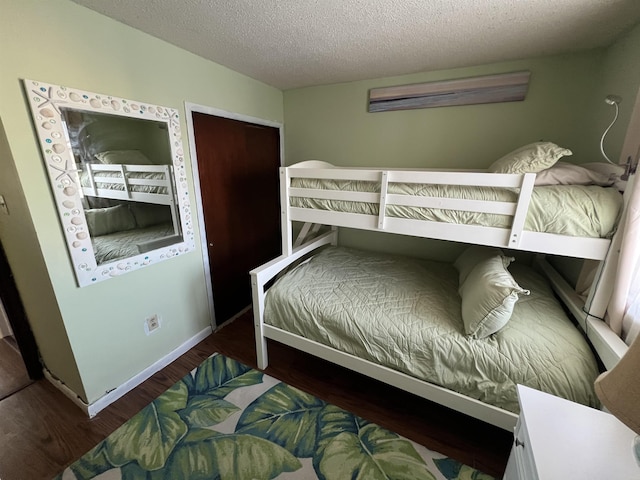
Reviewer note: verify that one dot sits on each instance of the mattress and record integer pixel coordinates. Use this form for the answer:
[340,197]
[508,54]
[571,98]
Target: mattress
[573,210]
[119,245]
[404,314]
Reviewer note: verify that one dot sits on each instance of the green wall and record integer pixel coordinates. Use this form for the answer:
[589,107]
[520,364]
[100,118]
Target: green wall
[92,338]
[620,76]
[331,123]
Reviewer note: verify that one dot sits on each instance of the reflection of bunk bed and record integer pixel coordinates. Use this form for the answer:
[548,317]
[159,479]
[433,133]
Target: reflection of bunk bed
[416,339]
[139,183]
[128,243]
[128,229]
[126,161]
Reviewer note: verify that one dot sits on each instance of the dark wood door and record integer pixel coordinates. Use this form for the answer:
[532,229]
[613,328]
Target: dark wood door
[238,166]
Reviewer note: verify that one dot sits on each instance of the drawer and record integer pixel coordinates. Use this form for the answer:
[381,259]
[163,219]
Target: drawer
[523,455]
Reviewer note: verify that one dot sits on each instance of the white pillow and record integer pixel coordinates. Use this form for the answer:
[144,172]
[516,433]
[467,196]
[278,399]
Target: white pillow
[123,157]
[563,173]
[614,172]
[531,158]
[488,296]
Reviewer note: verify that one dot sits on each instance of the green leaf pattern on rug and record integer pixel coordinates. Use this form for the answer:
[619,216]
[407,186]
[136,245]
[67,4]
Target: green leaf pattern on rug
[93,463]
[218,376]
[204,411]
[151,435]
[350,447]
[175,437]
[206,454]
[286,416]
[454,470]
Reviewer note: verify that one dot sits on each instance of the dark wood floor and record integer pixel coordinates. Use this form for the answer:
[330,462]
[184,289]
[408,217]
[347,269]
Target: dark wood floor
[41,431]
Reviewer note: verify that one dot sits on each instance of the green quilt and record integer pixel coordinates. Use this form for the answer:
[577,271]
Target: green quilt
[119,245]
[574,210]
[404,314]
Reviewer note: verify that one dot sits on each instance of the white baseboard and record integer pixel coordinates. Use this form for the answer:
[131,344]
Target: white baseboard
[93,408]
[66,390]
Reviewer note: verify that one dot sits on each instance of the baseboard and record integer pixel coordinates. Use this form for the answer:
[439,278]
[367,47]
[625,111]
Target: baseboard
[93,408]
[60,385]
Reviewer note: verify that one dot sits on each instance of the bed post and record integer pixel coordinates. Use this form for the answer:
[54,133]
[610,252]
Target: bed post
[382,209]
[285,222]
[257,291]
[168,174]
[92,182]
[602,286]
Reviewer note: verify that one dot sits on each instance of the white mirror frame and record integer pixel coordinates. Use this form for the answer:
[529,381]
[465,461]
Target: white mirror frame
[45,101]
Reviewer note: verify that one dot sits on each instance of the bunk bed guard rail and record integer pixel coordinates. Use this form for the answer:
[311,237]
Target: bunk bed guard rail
[513,237]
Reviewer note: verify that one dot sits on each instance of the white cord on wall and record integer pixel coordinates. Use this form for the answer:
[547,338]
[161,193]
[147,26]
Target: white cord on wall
[610,100]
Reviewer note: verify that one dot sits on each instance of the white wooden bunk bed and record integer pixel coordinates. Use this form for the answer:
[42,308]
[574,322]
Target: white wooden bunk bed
[139,183]
[305,197]
[142,231]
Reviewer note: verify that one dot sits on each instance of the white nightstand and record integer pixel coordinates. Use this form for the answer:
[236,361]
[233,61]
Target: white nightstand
[556,439]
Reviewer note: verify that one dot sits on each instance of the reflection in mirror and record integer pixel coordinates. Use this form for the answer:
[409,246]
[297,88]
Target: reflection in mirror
[125,172]
[117,171]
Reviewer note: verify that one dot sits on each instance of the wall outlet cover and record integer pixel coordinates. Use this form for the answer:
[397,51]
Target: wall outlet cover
[151,324]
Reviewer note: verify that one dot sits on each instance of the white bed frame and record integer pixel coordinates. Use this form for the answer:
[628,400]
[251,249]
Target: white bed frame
[608,345]
[515,238]
[125,185]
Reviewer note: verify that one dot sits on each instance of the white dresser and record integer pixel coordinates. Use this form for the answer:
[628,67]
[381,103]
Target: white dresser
[556,439]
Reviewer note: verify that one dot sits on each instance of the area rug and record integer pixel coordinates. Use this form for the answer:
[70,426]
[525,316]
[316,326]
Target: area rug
[228,421]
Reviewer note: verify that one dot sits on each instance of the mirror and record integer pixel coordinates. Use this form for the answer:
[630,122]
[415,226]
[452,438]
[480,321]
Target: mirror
[116,169]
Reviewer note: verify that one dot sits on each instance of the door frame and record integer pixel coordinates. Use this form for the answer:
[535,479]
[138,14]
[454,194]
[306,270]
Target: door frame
[13,307]
[191,108]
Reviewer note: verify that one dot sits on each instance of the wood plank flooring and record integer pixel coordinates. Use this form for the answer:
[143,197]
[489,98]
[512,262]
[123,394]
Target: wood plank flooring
[42,431]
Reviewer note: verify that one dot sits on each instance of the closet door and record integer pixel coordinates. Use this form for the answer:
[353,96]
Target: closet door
[238,166]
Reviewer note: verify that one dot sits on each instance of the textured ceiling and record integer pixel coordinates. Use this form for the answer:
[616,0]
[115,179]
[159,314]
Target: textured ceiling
[297,43]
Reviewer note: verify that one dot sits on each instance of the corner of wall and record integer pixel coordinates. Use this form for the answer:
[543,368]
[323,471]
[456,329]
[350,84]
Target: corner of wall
[32,278]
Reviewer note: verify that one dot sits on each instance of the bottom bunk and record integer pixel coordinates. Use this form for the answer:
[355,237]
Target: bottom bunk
[125,244]
[400,320]
[128,229]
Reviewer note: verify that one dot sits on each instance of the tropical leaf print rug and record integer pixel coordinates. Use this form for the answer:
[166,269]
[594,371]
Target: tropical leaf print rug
[230,422]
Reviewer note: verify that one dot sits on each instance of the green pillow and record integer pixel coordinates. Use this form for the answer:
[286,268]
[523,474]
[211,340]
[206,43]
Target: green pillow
[147,214]
[474,255]
[102,221]
[489,294]
[532,158]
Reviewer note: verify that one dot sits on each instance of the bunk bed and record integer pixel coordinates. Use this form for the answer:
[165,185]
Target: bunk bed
[339,303]
[142,212]
[139,183]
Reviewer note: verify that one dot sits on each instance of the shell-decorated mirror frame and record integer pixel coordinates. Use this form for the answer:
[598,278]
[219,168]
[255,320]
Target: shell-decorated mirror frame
[49,105]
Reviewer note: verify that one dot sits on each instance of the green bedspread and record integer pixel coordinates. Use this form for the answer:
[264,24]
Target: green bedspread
[119,245]
[574,210]
[404,314]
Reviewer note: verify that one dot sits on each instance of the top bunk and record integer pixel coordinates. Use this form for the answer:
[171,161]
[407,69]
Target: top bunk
[565,210]
[121,159]
[131,182]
